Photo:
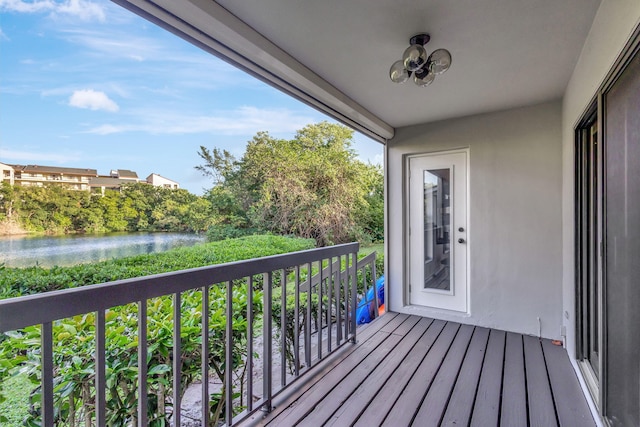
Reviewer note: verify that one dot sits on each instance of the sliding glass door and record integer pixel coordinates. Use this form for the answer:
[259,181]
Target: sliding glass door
[622,271]
[608,243]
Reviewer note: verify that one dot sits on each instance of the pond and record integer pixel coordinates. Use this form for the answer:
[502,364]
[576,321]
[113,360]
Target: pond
[47,251]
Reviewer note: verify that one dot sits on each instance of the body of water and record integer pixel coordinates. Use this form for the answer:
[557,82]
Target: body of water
[47,251]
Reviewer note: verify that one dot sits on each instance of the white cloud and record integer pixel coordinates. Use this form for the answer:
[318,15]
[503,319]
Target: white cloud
[241,121]
[28,156]
[114,44]
[93,100]
[83,9]
[164,56]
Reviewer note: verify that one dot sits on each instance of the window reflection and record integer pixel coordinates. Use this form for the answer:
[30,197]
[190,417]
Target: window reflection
[436,229]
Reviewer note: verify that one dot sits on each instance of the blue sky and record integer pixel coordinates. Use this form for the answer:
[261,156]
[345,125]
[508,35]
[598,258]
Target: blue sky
[89,84]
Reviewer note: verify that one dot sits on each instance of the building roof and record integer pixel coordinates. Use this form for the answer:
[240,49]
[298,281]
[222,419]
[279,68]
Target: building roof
[160,176]
[126,174]
[54,170]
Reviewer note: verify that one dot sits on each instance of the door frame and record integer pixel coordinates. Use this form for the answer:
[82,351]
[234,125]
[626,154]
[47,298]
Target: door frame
[406,300]
[582,211]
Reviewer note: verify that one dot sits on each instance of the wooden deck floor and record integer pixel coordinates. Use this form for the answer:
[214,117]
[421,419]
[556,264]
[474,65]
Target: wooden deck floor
[408,370]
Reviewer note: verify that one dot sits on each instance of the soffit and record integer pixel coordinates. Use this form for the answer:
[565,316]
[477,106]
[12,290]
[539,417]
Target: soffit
[506,53]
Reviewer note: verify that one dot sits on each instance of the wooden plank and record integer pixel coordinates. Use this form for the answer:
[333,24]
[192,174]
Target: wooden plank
[302,412]
[333,376]
[332,401]
[394,323]
[349,353]
[407,326]
[542,412]
[570,402]
[435,402]
[375,381]
[367,331]
[361,385]
[460,406]
[514,394]
[486,409]
[405,407]
[381,404]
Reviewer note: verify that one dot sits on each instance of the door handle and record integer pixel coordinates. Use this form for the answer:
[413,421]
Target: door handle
[461,240]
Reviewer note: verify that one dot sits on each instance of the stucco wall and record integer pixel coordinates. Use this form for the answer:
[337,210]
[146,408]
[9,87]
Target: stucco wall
[515,216]
[612,27]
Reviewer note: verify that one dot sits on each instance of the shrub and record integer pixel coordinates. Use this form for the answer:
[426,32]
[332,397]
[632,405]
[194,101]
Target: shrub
[74,338]
[216,233]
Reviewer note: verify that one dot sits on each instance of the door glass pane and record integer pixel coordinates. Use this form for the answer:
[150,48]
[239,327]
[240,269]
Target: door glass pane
[437,229]
[593,226]
[622,286]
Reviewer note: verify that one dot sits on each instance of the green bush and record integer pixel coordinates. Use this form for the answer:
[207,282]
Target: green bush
[74,338]
[16,405]
[25,281]
[74,365]
[219,232]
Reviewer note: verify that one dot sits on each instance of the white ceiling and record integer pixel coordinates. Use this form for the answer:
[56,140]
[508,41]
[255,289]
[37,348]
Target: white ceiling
[506,53]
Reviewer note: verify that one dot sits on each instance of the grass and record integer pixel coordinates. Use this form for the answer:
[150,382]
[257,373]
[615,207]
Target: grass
[16,407]
[376,247]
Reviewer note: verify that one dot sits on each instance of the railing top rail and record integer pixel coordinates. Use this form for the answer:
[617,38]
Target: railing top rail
[30,310]
[371,258]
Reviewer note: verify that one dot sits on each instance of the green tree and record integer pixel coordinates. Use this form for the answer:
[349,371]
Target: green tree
[136,207]
[311,186]
[7,200]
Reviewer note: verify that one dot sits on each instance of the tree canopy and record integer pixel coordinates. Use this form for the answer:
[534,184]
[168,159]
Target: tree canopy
[311,186]
[136,207]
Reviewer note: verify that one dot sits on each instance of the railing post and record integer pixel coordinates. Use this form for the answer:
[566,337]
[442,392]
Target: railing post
[319,321]
[100,369]
[205,356]
[296,331]
[46,337]
[376,303]
[283,328]
[267,338]
[307,329]
[354,294]
[228,364]
[329,303]
[337,283]
[250,344]
[142,363]
[177,359]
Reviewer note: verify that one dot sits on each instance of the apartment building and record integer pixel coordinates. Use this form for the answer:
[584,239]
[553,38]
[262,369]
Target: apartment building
[38,175]
[161,181]
[77,178]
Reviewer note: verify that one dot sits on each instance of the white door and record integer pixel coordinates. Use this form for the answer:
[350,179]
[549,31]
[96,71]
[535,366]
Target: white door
[438,231]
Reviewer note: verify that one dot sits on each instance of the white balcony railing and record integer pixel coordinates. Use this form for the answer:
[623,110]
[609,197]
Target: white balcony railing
[319,286]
